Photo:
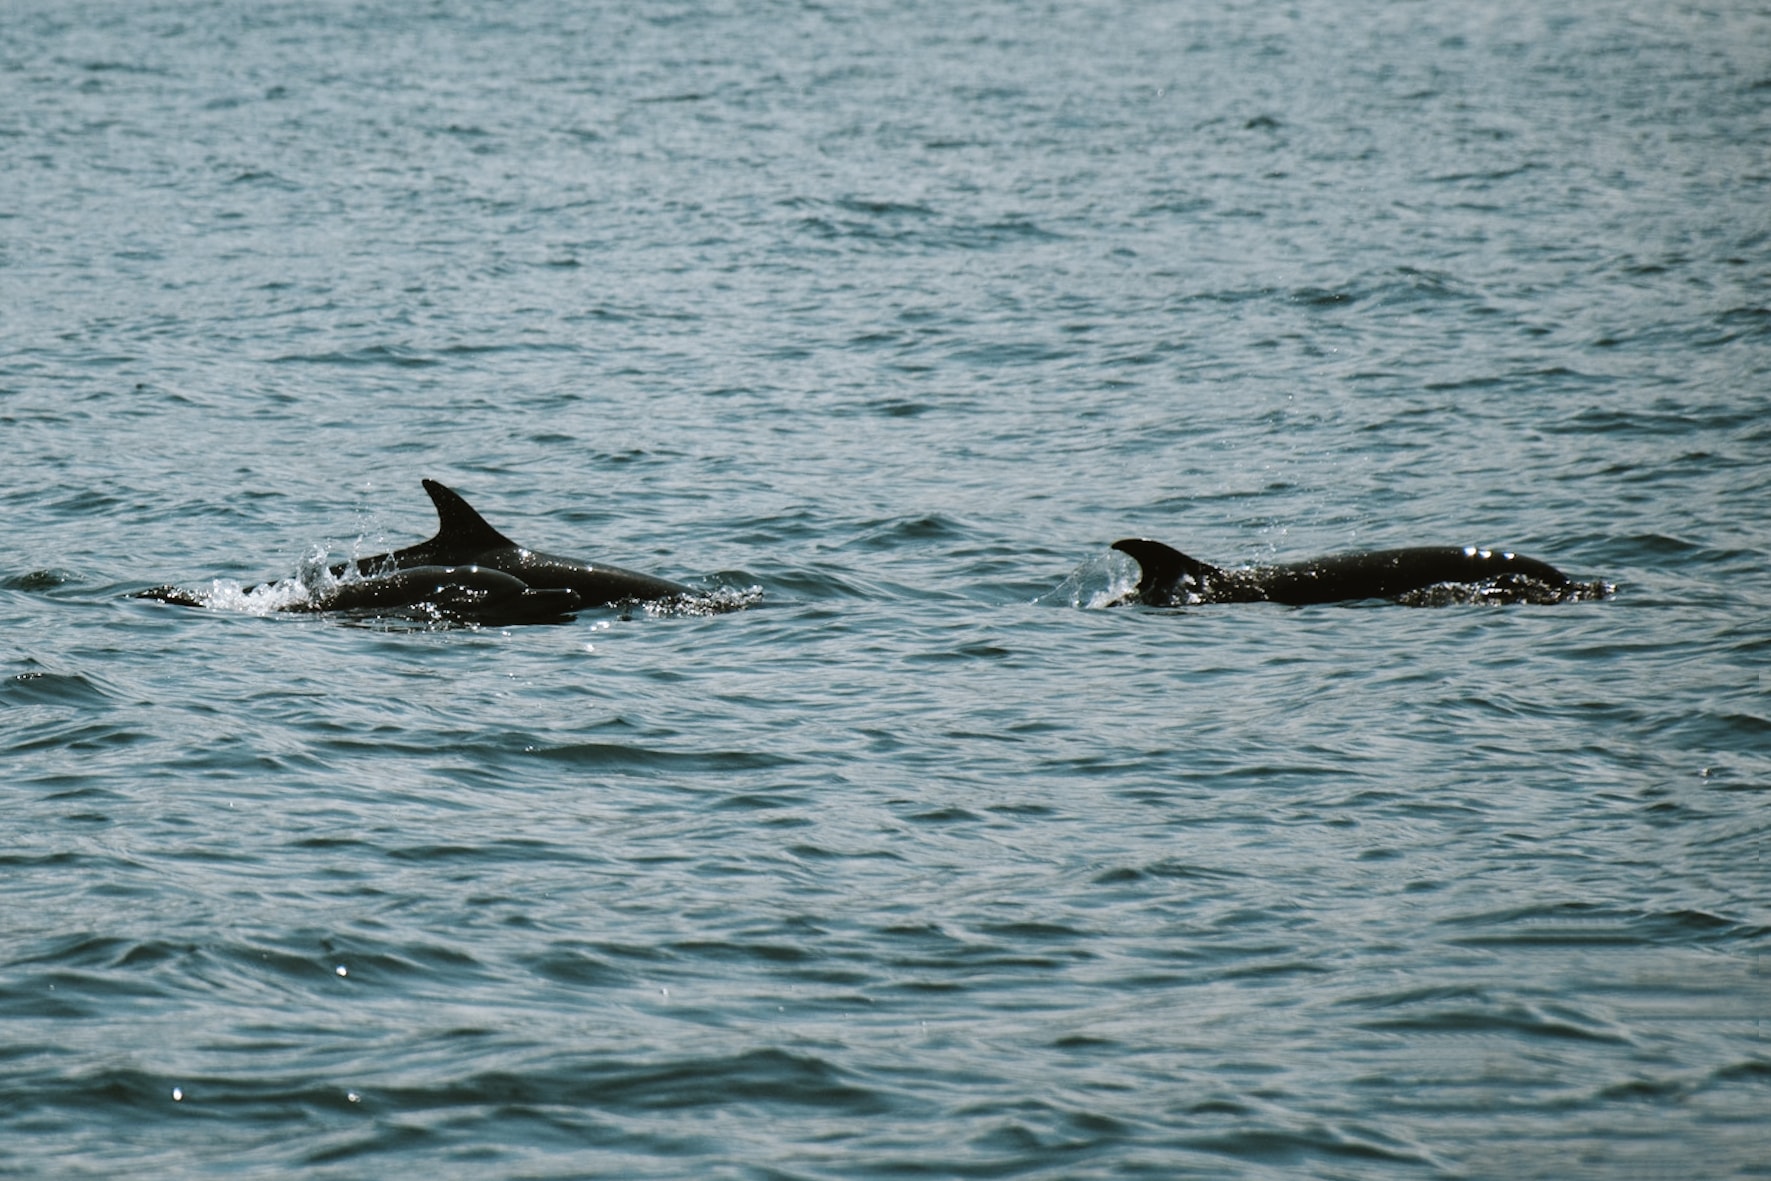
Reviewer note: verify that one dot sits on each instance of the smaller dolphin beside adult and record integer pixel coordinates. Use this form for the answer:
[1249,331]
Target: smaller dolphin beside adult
[1423,575]
[468,572]
[463,594]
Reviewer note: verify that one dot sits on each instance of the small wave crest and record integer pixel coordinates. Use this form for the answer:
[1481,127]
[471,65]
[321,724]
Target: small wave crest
[720,600]
[227,594]
[312,582]
[1106,580]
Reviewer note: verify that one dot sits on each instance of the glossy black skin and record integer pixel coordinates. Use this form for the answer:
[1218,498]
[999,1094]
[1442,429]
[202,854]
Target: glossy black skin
[469,571]
[464,593]
[455,592]
[464,538]
[1169,578]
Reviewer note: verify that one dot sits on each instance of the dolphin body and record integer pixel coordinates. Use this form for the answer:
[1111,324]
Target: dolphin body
[465,539]
[1169,578]
[456,592]
[468,572]
[462,593]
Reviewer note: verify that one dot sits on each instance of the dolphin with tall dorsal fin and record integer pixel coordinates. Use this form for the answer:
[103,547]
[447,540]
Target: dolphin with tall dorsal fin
[469,571]
[464,538]
[1169,578]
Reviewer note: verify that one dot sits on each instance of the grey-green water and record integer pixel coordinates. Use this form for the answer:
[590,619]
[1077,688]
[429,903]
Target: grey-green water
[919,866]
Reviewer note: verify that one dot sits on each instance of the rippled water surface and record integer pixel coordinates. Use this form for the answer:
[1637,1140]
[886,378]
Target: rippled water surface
[924,863]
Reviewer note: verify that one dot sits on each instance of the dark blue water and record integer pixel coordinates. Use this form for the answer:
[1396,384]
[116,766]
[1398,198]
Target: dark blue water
[924,864]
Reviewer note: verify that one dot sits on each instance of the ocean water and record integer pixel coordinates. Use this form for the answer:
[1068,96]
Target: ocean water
[886,319]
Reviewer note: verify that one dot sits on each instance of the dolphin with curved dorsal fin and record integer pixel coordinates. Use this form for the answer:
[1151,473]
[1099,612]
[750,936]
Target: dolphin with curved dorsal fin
[468,571]
[1169,578]
[463,538]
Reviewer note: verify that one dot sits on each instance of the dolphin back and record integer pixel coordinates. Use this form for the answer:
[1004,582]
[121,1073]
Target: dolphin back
[1167,577]
[457,592]
[1423,575]
[1393,573]
[463,538]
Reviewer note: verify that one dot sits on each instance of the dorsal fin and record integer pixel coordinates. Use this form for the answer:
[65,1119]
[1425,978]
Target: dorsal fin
[1162,567]
[460,529]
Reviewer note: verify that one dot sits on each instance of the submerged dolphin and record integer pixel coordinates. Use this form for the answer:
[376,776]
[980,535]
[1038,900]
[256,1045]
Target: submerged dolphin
[462,592]
[464,539]
[468,593]
[1169,578]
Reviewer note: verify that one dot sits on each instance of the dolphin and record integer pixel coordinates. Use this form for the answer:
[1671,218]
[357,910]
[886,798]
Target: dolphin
[462,593]
[1169,578]
[456,592]
[469,571]
[464,538]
